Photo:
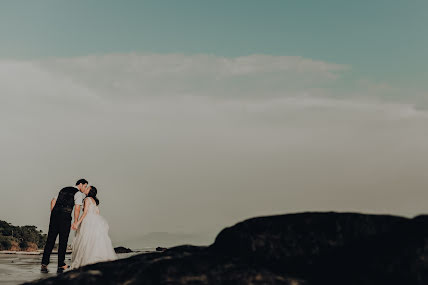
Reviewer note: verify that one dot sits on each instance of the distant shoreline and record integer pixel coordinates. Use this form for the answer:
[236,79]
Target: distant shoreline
[38,252]
[55,252]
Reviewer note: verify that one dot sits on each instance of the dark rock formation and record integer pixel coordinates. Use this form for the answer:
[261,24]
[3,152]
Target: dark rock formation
[161,248]
[307,248]
[122,249]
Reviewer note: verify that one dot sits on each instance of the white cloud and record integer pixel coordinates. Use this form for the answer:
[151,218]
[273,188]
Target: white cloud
[139,75]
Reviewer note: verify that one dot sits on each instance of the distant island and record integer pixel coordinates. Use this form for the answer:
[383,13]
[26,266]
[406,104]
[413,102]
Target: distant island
[16,238]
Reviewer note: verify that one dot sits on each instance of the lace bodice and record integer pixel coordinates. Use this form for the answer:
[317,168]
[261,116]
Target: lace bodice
[92,206]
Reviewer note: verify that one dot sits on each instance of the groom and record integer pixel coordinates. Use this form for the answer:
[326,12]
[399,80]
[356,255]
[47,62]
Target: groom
[60,221]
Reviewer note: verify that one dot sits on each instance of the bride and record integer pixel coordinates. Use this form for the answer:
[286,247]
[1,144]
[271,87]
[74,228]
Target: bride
[92,243]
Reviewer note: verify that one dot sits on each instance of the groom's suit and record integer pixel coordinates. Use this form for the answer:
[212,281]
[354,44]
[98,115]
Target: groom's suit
[60,223]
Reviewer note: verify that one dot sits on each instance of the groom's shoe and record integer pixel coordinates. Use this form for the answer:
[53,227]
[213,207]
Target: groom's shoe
[62,268]
[44,269]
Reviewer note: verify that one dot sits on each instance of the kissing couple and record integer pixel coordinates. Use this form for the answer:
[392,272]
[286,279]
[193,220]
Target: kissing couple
[91,243]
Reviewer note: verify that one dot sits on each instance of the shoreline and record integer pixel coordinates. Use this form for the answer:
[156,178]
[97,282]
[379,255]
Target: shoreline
[55,252]
[20,267]
[39,252]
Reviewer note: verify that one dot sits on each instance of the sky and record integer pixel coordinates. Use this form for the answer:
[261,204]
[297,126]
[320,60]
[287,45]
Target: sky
[190,116]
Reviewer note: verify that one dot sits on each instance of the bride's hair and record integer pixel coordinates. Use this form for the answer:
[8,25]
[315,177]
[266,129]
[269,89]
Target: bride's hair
[93,194]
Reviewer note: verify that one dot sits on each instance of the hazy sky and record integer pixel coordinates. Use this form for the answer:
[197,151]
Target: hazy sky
[190,116]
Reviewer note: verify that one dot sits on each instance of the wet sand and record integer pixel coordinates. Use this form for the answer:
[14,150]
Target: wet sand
[17,268]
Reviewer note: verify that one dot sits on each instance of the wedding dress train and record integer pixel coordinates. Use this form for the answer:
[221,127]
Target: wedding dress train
[92,243]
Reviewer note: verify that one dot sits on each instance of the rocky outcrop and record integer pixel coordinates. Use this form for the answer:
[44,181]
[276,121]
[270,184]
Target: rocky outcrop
[331,248]
[14,246]
[307,248]
[31,247]
[121,249]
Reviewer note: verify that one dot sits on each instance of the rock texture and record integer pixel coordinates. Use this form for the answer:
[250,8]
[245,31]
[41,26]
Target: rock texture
[121,249]
[307,248]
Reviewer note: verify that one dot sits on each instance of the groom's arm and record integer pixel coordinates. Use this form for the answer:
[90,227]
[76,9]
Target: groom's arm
[76,212]
[78,202]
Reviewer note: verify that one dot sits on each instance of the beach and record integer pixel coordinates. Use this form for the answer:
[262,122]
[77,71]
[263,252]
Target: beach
[18,268]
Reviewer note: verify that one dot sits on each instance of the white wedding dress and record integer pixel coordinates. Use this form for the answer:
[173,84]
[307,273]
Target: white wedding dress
[92,243]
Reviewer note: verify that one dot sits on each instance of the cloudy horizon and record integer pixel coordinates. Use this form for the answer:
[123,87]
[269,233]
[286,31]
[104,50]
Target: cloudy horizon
[171,152]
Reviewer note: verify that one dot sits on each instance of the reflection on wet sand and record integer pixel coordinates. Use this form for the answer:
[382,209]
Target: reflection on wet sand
[20,268]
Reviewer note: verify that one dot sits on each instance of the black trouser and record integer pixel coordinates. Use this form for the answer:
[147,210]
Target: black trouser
[60,223]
